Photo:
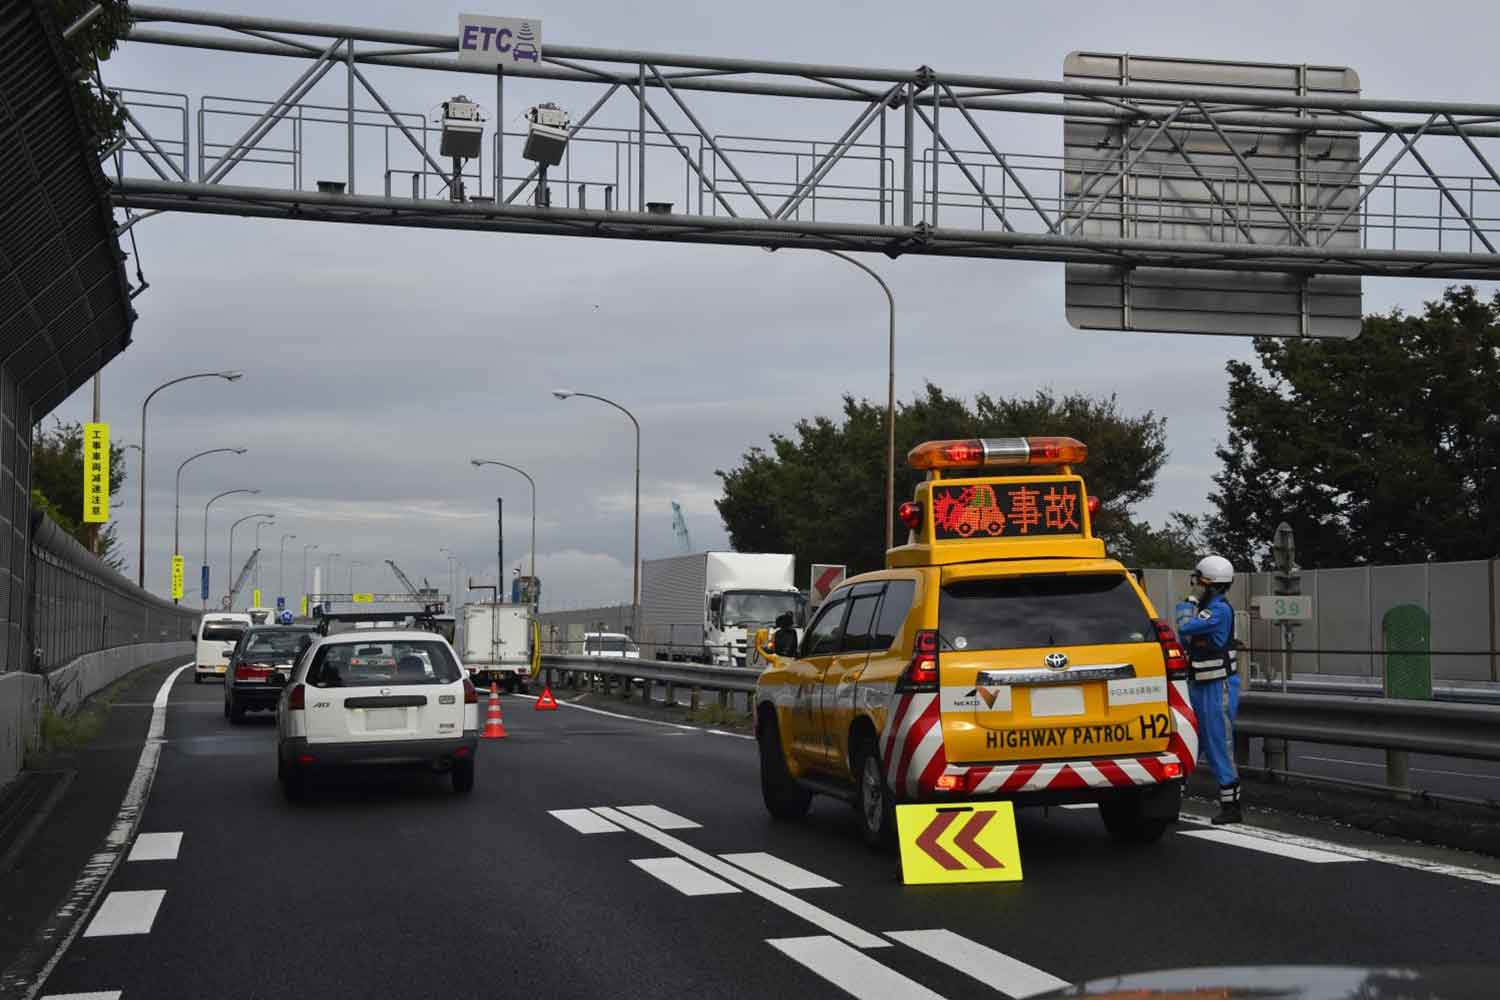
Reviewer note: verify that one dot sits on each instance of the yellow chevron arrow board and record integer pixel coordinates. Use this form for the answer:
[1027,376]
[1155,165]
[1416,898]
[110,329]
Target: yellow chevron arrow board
[958,843]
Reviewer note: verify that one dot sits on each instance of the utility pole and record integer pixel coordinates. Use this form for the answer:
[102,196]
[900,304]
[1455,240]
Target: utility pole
[1286,582]
[499,548]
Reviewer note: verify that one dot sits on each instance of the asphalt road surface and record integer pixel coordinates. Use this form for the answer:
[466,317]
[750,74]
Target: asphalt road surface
[602,856]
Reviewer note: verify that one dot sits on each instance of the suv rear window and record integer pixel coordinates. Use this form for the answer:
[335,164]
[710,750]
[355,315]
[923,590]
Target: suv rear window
[283,642]
[1029,611]
[378,664]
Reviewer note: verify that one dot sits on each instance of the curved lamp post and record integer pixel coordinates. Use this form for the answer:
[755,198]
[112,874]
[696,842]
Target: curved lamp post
[177,502]
[211,502]
[477,463]
[236,524]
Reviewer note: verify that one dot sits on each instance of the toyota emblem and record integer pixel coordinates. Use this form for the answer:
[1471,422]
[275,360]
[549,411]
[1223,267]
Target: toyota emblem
[1056,661]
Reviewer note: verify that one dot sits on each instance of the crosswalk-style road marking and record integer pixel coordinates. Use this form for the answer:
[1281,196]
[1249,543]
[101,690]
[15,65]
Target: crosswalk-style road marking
[660,818]
[782,873]
[584,820]
[1296,852]
[126,912]
[999,971]
[155,847]
[690,880]
[851,970]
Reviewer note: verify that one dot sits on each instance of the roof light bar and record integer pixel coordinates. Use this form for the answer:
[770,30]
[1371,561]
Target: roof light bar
[985,452]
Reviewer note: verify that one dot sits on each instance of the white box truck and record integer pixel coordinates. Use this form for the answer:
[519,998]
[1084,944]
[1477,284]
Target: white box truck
[704,606]
[501,643]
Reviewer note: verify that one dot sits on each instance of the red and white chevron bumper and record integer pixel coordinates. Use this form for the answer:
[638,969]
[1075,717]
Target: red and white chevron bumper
[912,752]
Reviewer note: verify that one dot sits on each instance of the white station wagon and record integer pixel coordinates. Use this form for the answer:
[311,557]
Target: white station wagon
[376,697]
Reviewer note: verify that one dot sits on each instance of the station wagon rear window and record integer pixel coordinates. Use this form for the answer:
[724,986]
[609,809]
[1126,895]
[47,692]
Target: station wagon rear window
[1025,612]
[383,664]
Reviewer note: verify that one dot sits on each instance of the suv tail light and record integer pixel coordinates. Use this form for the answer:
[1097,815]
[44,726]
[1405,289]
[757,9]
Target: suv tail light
[922,672]
[1171,651]
[253,671]
[297,699]
[471,693]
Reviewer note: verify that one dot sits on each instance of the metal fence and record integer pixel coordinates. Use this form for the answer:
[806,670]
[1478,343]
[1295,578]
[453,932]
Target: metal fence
[1345,636]
[79,605]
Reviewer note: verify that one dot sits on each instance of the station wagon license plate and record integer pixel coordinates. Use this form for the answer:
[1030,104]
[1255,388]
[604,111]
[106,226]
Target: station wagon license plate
[1048,702]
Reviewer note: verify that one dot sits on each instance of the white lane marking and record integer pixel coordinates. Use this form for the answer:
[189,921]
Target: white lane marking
[156,847]
[19,979]
[690,880]
[1297,852]
[1365,854]
[774,895]
[782,873]
[102,995]
[129,912]
[1082,805]
[661,818]
[852,971]
[584,820]
[1414,770]
[738,736]
[1010,976]
[616,715]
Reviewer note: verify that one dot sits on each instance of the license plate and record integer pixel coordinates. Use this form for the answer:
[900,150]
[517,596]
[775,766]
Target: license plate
[377,719]
[220,669]
[1049,702]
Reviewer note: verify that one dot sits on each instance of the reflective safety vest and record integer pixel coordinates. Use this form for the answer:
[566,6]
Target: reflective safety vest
[1208,660]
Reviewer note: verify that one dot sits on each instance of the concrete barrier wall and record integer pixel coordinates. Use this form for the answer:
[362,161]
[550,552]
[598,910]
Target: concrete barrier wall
[23,696]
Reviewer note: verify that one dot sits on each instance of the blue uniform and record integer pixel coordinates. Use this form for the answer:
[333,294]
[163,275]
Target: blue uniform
[1207,634]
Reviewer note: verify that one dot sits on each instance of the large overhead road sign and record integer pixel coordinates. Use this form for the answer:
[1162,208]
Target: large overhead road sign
[1178,174]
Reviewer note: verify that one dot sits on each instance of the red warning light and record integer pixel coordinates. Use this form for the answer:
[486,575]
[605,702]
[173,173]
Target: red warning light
[1093,506]
[910,515]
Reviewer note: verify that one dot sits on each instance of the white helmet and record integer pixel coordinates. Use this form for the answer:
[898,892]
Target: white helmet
[1214,569]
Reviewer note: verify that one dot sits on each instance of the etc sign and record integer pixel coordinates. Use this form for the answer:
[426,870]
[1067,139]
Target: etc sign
[494,41]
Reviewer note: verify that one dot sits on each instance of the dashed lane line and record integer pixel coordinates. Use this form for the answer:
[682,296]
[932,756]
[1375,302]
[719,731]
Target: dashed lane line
[584,820]
[155,847]
[690,880]
[775,895]
[661,818]
[101,995]
[126,912]
[26,975]
[995,969]
[851,970]
[1297,852]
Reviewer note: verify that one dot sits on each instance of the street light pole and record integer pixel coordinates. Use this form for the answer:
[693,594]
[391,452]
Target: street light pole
[226,493]
[635,561]
[328,567]
[890,401]
[478,462]
[353,563]
[140,570]
[281,569]
[452,574]
[264,513]
[305,549]
[177,502]
[258,526]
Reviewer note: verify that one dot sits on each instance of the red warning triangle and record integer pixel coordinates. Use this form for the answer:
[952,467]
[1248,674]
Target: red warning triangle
[546,703]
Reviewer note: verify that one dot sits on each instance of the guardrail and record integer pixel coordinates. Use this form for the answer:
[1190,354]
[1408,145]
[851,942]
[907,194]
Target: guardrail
[603,671]
[1476,695]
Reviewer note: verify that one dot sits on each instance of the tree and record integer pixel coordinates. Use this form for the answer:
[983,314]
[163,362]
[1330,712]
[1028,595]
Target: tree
[90,46]
[1382,449]
[57,483]
[820,491]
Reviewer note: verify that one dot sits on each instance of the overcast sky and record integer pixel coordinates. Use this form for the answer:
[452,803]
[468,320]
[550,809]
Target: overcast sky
[378,361]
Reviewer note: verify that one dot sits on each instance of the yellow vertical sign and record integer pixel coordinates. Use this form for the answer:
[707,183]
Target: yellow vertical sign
[95,473]
[255,598]
[177,578]
[304,605]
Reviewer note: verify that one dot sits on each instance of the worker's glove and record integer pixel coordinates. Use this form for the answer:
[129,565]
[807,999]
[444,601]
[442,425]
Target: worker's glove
[1192,599]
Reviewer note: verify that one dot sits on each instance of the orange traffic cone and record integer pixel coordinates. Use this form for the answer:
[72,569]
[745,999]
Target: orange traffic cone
[546,703]
[494,726]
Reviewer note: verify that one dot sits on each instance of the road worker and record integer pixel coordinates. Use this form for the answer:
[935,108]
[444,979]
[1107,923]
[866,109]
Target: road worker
[1205,624]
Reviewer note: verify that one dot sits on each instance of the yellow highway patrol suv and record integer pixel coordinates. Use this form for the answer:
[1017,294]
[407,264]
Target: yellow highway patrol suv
[998,655]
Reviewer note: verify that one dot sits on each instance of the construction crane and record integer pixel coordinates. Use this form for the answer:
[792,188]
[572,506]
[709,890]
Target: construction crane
[239,581]
[680,528]
[411,588]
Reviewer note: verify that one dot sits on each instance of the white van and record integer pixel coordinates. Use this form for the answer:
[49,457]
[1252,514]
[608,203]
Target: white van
[218,634]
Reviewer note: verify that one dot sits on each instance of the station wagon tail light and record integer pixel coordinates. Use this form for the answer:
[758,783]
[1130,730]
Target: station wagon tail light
[1171,651]
[471,693]
[922,673]
[251,671]
[910,515]
[977,453]
[297,699]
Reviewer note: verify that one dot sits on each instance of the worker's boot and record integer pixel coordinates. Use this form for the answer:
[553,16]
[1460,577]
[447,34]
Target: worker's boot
[1229,806]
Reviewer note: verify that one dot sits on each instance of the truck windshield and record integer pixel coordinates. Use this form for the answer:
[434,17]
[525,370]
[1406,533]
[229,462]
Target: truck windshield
[749,607]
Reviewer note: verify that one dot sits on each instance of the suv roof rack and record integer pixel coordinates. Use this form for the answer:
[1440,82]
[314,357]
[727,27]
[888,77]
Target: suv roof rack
[421,613]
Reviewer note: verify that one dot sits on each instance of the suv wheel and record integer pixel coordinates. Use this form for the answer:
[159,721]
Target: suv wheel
[236,711]
[1127,822]
[784,798]
[874,803]
[463,776]
[197,677]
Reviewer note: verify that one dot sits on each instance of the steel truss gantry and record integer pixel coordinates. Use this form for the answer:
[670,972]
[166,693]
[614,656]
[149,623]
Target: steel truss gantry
[920,148]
